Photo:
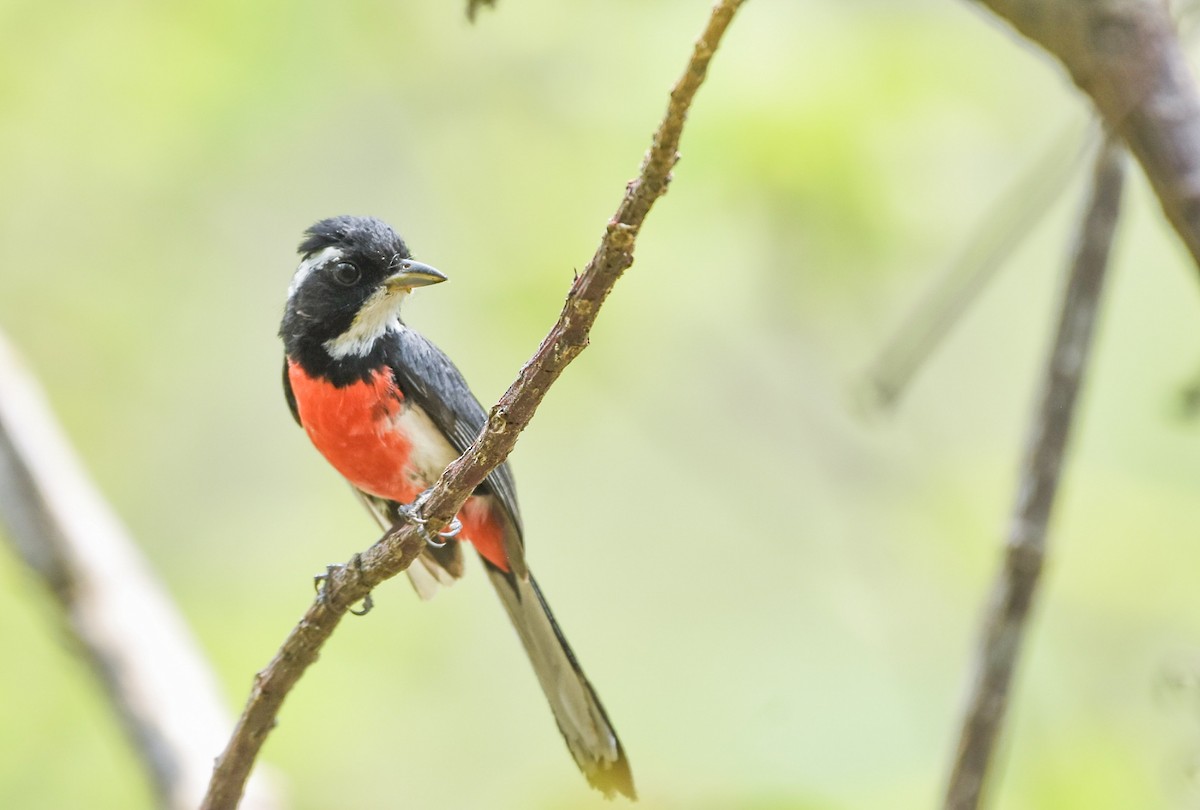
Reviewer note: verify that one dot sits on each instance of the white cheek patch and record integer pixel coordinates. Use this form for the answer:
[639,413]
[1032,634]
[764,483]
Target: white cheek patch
[329,254]
[431,451]
[377,315]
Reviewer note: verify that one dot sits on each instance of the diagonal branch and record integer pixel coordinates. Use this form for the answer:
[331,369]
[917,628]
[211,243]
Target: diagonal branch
[1007,614]
[1126,55]
[399,547]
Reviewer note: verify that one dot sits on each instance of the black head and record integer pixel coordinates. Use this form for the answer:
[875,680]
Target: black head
[363,237]
[347,291]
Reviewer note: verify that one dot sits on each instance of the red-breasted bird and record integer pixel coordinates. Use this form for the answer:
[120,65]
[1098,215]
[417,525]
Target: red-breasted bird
[389,411]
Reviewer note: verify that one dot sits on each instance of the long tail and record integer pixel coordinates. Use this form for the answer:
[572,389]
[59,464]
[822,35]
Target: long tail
[577,709]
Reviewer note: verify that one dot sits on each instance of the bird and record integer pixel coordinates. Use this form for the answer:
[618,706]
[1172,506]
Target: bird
[389,411]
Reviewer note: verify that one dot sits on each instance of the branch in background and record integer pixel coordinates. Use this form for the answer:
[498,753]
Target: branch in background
[398,548]
[1011,220]
[1016,583]
[1006,225]
[141,650]
[1126,55]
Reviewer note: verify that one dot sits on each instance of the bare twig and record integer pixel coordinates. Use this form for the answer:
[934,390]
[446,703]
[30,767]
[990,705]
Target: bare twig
[568,337]
[1016,582]
[1126,55]
[139,646]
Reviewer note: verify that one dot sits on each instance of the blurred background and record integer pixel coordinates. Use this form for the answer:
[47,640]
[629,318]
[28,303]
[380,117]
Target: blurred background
[774,590]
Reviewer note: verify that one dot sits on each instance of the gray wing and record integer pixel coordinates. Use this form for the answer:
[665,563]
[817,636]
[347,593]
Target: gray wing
[426,375]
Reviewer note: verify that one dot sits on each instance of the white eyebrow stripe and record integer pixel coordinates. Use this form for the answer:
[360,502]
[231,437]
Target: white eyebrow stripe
[331,253]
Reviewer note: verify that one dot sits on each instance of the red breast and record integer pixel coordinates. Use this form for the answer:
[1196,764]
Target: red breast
[355,428]
[351,426]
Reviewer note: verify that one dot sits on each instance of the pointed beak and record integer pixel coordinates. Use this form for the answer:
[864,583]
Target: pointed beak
[411,274]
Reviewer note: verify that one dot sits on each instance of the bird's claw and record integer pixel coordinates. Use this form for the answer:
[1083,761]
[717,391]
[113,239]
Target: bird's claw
[321,581]
[452,530]
[368,602]
[410,513]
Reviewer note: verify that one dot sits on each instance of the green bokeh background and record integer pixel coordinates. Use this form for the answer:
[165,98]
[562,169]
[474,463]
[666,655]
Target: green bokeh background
[775,596]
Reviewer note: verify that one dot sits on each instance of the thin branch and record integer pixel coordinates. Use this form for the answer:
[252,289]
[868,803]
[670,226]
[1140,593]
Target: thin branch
[1126,55]
[396,550]
[140,648]
[1007,614]
[1003,229]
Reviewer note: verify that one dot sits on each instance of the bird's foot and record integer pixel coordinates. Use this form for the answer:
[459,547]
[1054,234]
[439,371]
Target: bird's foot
[321,581]
[451,531]
[409,513]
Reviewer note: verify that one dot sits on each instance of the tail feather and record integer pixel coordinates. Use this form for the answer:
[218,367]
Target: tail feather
[577,709]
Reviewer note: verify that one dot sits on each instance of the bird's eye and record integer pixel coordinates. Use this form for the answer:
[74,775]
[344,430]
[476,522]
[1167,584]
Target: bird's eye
[346,274]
